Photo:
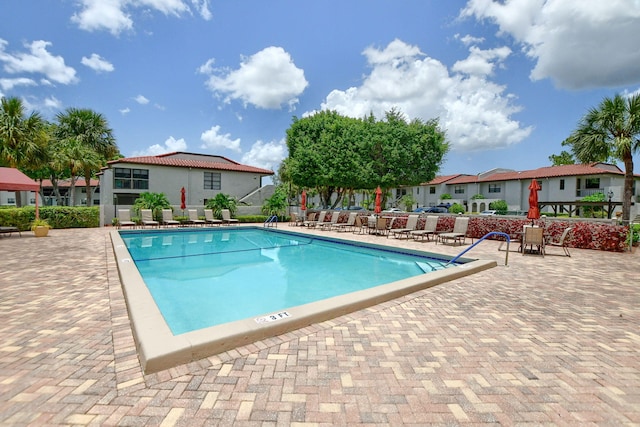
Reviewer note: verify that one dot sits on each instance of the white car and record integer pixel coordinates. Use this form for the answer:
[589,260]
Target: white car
[488,213]
[392,210]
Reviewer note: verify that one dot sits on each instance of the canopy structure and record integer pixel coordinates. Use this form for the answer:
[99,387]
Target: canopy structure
[12,179]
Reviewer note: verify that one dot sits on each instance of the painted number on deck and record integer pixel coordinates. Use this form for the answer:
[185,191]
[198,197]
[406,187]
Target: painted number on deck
[273,317]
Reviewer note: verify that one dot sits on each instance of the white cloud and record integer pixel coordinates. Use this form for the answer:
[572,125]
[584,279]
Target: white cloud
[576,43]
[140,99]
[52,103]
[38,60]
[97,63]
[215,141]
[103,15]
[474,111]
[170,145]
[8,84]
[115,16]
[124,111]
[468,40]
[481,62]
[267,79]
[266,155]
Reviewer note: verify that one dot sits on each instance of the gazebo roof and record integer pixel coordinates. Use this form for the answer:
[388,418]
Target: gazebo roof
[12,179]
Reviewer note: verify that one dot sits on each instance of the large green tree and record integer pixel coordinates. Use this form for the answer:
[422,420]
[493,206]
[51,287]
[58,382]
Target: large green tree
[91,130]
[610,131]
[337,154]
[22,136]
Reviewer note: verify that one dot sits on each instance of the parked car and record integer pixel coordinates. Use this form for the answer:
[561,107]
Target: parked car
[350,208]
[432,209]
[393,210]
[488,213]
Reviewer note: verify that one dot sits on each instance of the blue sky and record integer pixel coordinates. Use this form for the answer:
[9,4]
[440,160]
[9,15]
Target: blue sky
[509,80]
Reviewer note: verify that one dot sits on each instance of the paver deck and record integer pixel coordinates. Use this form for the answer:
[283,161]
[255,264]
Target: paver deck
[542,341]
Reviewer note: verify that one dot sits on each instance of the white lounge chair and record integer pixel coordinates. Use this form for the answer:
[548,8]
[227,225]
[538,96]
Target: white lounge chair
[226,217]
[167,218]
[209,219]
[430,226]
[124,219]
[412,223]
[459,233]
[147,218]
[193,218]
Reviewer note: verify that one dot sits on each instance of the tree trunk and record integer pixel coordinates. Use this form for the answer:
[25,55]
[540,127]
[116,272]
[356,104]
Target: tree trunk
[628,186]
[87,181]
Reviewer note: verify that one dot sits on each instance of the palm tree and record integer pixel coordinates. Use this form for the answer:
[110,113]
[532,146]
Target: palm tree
[611,131]
[22,137]
[92,130]
[154,201]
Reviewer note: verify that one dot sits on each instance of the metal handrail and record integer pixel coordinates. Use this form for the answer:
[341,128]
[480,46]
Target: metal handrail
[271,221]
[491,233]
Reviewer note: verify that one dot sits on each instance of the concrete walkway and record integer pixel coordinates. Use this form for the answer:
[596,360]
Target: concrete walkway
[543,341]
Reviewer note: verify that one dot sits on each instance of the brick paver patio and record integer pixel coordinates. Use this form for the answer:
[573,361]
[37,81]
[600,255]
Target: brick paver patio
[543,341]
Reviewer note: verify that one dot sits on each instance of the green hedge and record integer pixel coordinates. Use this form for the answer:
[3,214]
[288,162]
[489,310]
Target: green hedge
[57,216]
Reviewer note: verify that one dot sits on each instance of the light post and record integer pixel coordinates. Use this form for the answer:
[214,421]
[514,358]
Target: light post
[609,195]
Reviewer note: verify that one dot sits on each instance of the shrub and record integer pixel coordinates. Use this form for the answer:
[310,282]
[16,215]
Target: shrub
[456,208]
[500,206]
[56,216]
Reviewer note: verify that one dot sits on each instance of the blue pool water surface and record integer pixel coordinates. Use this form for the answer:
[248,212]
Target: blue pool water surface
[201,278]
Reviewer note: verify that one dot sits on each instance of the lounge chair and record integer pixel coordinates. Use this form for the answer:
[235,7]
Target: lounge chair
[9,229]
[430,226]
[193,218]
[124,219]
[346,226]
[459,233]
[328,225]
[147,218]
[412,223]
[381,226]
[209,219]
[167,218]
[533,237]
[562,241]
[316,219]
[295,220]
[226,217]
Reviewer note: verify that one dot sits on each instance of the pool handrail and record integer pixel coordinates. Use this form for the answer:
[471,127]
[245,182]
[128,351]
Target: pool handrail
[491,233]
[272,221]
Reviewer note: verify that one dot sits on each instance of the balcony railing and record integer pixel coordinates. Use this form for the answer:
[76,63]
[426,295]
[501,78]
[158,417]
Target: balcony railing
[589,192]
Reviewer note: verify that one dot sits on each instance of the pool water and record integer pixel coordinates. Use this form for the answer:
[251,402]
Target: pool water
[201,278]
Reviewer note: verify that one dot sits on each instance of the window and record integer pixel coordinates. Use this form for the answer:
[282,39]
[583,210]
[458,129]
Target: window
[592,183]
[458,189]
[11,201]
[137,179]
[494,188]
[562,184]
[212,181]
[432,190]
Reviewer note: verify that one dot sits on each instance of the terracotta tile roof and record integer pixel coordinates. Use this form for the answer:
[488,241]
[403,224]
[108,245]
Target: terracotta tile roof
[64,183]
[544,172]
[442,179]
[211,162]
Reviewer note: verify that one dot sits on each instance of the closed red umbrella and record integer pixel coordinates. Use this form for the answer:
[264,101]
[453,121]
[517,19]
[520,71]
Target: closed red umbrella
[534,212]
[378,208]
[183,200]
[303,200]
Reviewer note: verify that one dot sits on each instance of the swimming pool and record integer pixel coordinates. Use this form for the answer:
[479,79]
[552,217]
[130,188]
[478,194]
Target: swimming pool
[201,279]
[166,273]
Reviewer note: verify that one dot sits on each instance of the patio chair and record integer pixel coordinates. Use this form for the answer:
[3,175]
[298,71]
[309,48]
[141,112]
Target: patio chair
[193,218]
[295,220]
[316,219]
[209,219]
[328,225]
[459,233]
[382,226]
[360,225]
[430,225]
[124,219]
[412,223]
[562,241]
[346,226]
[533,237]
[167,218]
[147,218]
[226,217]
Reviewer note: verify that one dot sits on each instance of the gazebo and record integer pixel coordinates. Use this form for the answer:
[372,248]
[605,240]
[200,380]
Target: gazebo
[12,179]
